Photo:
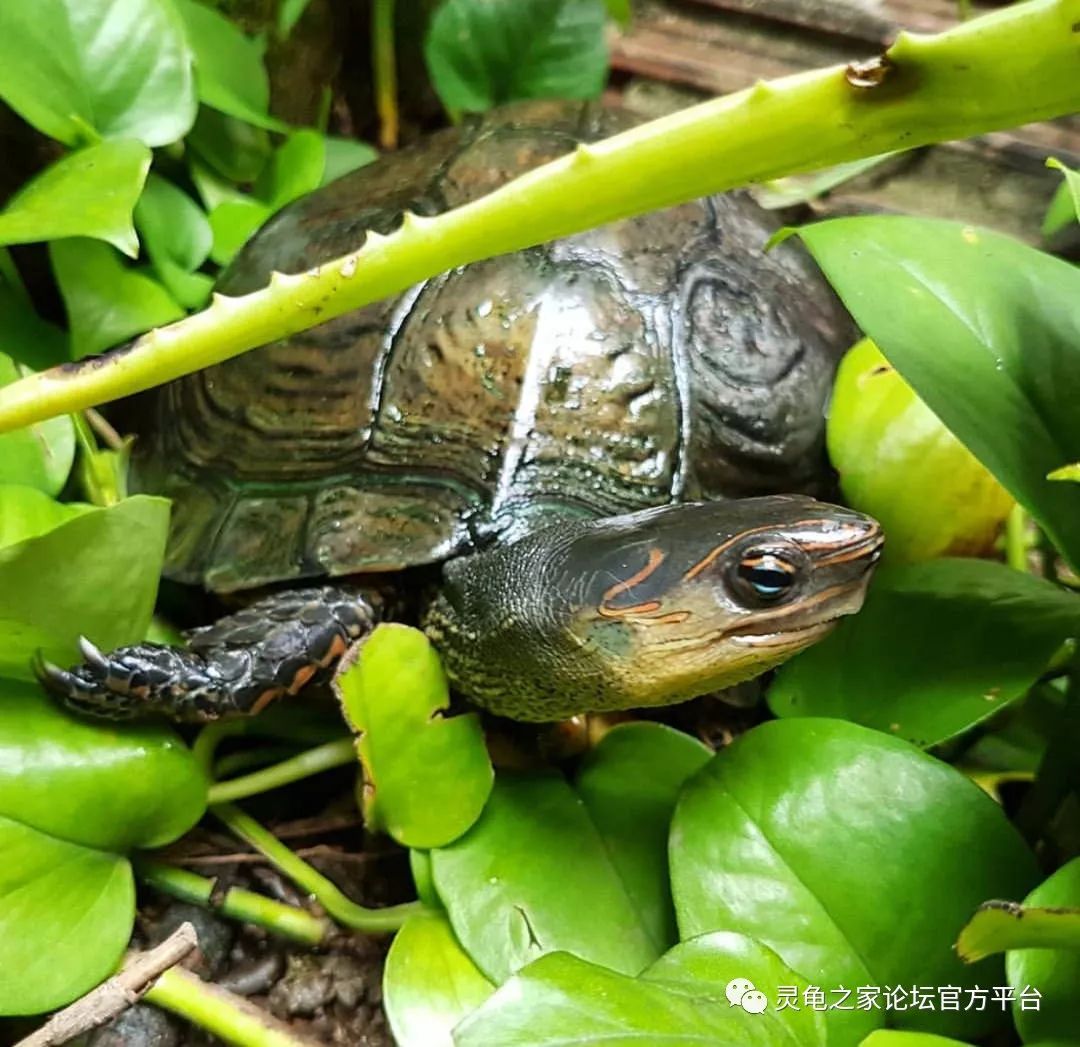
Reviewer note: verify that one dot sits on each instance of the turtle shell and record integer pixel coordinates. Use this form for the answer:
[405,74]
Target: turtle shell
[657,359]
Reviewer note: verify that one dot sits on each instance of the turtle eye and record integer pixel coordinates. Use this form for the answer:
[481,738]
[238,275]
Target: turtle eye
[766,575]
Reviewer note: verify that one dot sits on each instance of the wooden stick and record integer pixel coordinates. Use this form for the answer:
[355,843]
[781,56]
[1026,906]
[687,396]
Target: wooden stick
[116,995]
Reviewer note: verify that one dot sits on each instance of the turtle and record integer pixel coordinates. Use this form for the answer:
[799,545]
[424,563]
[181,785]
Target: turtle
[604,448]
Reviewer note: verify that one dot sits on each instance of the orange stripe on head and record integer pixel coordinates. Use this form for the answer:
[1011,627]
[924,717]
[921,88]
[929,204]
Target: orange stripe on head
[656,558]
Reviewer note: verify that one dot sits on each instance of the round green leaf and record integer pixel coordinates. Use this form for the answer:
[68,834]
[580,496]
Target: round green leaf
[899,1038]
[294,169]
[561,1000]
[229,148]
[39,456]
[121,786]
[25,336]
[94,573]
[1054,973]
[898,463]
[173,227]
[483,53]
[344,155]
[630,784]
[852,855]
[937,647]
[533,876]
[106,301]
[581,869]
[987,332]
[233,222]
[89,193]
[117,68]
[26,512]
[427,776]
[228,66]
[708,964]
[429,983]
[66,914]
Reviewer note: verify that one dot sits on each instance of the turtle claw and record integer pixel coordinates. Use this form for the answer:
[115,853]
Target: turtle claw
[85,688]
[93,657]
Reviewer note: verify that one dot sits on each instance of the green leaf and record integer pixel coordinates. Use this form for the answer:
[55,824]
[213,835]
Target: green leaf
[24,336]
[123,785]
[93,571]
[429,983]
[619,10]
[56,892]
[172,225]
[898,463]
[88,193]
[505,883]
[986,331]
[937,648]
[1066,472]
[294,169]
[106,301]
[898,1038]
[998,926]
[64,885]
[177,235]
[709,964]
[79,69]
[563,1000]
[344,155]
[231,148]
[233,222]
[852,855]
[228,66]
[632,811]
[1054,972]
[26,512]
[483,53]
[1070,191]
[427,776]
[39,456]
[289,13]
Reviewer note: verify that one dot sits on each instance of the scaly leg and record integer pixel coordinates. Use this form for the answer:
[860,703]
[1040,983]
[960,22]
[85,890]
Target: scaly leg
[237,666]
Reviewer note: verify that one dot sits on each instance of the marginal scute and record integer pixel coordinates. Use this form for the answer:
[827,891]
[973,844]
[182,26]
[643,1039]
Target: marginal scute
[258,543]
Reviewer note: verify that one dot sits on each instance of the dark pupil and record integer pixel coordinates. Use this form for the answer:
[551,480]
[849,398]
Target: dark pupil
[768,578]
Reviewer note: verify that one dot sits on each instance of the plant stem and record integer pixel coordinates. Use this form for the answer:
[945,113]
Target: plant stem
[313,761]
[329,896]
[237,903]
[224,1014]
[238,763]
[384,61]
[924,89]
[1016,538]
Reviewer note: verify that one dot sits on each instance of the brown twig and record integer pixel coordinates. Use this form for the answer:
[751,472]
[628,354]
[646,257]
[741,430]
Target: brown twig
[116,995]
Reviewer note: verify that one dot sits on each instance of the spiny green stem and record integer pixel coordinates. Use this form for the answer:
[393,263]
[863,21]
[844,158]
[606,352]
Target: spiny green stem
[962,82]
[229,1017]
[338,906]
[237,903]
[303,765]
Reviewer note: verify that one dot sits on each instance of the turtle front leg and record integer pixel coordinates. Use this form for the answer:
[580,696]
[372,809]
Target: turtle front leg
[235,667]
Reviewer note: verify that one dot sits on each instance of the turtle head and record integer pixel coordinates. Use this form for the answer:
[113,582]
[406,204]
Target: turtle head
[650,608]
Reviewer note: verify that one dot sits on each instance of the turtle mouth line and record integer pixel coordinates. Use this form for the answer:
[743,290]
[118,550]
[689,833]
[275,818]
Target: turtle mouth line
[803,634]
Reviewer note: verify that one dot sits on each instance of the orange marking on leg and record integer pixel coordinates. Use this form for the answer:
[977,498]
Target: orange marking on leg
[265,699]
[338,647]
[302,677]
